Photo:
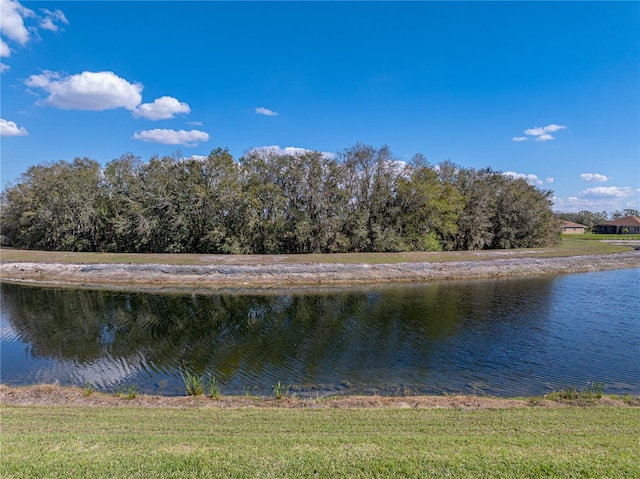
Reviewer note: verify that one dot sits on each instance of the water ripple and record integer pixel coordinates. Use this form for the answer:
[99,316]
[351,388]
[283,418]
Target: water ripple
[502,337]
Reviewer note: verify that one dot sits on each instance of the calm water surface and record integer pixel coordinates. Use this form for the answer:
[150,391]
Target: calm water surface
[501,337]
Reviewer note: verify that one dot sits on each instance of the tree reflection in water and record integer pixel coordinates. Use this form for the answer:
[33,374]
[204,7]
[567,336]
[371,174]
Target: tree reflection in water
[425,338]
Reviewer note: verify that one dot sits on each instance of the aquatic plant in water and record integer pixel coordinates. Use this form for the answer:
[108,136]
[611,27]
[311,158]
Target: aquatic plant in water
[280,391]
[193,383]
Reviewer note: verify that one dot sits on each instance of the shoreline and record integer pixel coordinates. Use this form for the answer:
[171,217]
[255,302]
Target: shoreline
[218,275]
[45,395]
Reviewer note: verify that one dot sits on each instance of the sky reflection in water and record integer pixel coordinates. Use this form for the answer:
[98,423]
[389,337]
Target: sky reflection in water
[500,337]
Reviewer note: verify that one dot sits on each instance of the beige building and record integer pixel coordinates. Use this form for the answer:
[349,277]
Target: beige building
[569,227]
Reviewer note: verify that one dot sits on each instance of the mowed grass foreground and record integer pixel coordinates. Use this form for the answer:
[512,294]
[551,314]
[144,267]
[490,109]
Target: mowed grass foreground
[568,441]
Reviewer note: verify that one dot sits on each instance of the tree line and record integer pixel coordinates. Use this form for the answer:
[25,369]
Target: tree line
[361,200]
[590,220]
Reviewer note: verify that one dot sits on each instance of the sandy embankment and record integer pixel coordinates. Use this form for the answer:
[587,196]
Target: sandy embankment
[215,276]
[53,394]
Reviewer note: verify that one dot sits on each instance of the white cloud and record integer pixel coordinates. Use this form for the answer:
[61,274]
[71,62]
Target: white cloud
[529,178]
[9,128]
[5,51]
[172,137]
[594,177]
[603,201]
[609,192]
[290,150]
[48,22]
[197,158]
[538,130]
[43,80]
[94,91]
[194,123]
[541,133]
[12,15]
[545,137]
[13,28]
[549,179]
[4,67]
[265,111]
[161,109]
[575,204]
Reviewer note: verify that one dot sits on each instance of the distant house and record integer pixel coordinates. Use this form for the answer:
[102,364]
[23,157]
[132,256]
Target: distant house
[569,227]
[621,226]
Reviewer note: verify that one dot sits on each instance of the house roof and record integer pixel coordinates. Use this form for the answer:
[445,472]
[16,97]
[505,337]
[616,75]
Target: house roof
[626,221]
[571,224]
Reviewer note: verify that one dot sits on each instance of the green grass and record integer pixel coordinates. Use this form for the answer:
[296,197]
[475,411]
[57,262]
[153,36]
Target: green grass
[599,237]
[128,392]
[573,245]
[137,442]
[590,393]
[193,383]
[88,389]
[197,385]
[570,245]
[280,391]
[213,388]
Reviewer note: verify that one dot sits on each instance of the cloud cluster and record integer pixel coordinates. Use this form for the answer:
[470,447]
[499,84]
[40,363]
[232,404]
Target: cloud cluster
[529,178]
[12,15]
[162,108]
[610,198]
[48,22]
[609,192]
[594,177]
[94,91]
[601,198]
[9,128]
[540,133]
[98,91]
[290,150]
[13,28]
[265,111]
[172,137]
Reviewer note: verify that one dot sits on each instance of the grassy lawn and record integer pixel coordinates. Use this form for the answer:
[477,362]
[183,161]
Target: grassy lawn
[81,442]
[595,244]
[570,245]
[598,237]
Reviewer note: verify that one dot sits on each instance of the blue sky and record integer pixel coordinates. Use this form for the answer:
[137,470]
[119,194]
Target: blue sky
[547,90]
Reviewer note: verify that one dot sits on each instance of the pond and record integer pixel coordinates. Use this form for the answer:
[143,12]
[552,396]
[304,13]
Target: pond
[506,337]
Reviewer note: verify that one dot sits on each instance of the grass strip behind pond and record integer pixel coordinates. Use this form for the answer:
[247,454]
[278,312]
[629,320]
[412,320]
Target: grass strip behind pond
[571,245]
[132,442]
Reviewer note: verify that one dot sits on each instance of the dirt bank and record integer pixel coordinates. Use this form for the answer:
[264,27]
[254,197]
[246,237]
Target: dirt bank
[278,275]
[52,394]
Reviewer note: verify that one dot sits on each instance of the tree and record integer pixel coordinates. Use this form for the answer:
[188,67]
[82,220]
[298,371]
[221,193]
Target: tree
[264,200]
[122,209]
[370,177]
[223,218]
[429,207]
[54,207]
[523,216]
[476,220]
[269,202]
